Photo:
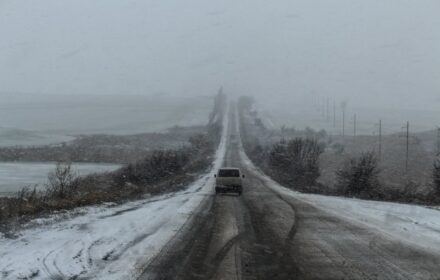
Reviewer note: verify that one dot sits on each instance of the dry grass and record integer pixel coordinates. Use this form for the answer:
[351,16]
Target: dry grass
[414,184]
[67,191]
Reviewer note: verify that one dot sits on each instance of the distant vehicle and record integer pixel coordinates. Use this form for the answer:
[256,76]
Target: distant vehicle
[233,138]
[229,179]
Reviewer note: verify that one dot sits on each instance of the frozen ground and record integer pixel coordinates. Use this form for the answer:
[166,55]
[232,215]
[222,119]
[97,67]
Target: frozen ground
[16,175]
[104,242]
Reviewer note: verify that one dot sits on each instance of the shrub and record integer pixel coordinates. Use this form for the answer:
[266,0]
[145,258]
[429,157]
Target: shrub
[359,176]
[28,194]
[62,181]
[338,148]
[278,158]
[199,142]
[259,154]
[158,166]
[296,161]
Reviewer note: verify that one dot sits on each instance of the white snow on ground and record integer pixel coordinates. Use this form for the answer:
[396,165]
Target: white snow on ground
[106,242]
[410,224]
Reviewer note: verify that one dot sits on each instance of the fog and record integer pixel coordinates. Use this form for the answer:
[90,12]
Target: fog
[334,170]
[372,53]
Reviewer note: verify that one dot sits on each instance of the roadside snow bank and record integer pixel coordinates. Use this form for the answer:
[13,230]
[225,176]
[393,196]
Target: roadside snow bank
[411,224]
[415,225]
[105,242]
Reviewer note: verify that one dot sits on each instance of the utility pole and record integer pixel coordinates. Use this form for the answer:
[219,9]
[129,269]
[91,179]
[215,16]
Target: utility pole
[343,107]
[438,141]
[328,109]
[407,146]
[321,107]
[343,123]
[380,139]
[354,128]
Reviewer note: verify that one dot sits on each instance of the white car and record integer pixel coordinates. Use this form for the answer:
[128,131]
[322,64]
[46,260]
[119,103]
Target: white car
[229,179]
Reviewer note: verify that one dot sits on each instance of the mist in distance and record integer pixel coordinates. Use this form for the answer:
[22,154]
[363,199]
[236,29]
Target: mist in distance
[382,54]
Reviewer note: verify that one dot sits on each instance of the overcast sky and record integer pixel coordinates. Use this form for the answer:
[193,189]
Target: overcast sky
[369,52]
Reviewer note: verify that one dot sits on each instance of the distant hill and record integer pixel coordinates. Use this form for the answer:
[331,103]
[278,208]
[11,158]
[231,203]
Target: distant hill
[34,119]
[19,137]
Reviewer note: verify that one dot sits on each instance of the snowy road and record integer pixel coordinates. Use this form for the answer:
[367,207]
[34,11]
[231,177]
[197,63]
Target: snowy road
[269,232]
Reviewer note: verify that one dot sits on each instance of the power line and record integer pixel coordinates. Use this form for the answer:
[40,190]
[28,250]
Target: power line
[328,109]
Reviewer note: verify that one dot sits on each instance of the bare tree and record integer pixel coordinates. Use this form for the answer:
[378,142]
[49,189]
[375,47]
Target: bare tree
[62,180]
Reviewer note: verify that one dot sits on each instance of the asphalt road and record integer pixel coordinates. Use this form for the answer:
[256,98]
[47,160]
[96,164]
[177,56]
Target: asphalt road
[264,235]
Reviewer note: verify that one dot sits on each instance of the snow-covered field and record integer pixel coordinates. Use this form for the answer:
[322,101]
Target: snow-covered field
[104,242]
[16,175]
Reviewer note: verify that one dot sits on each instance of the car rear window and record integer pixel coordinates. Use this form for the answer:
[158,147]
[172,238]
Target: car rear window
[228,173]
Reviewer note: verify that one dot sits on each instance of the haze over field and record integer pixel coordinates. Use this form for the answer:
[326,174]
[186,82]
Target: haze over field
[42,119]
